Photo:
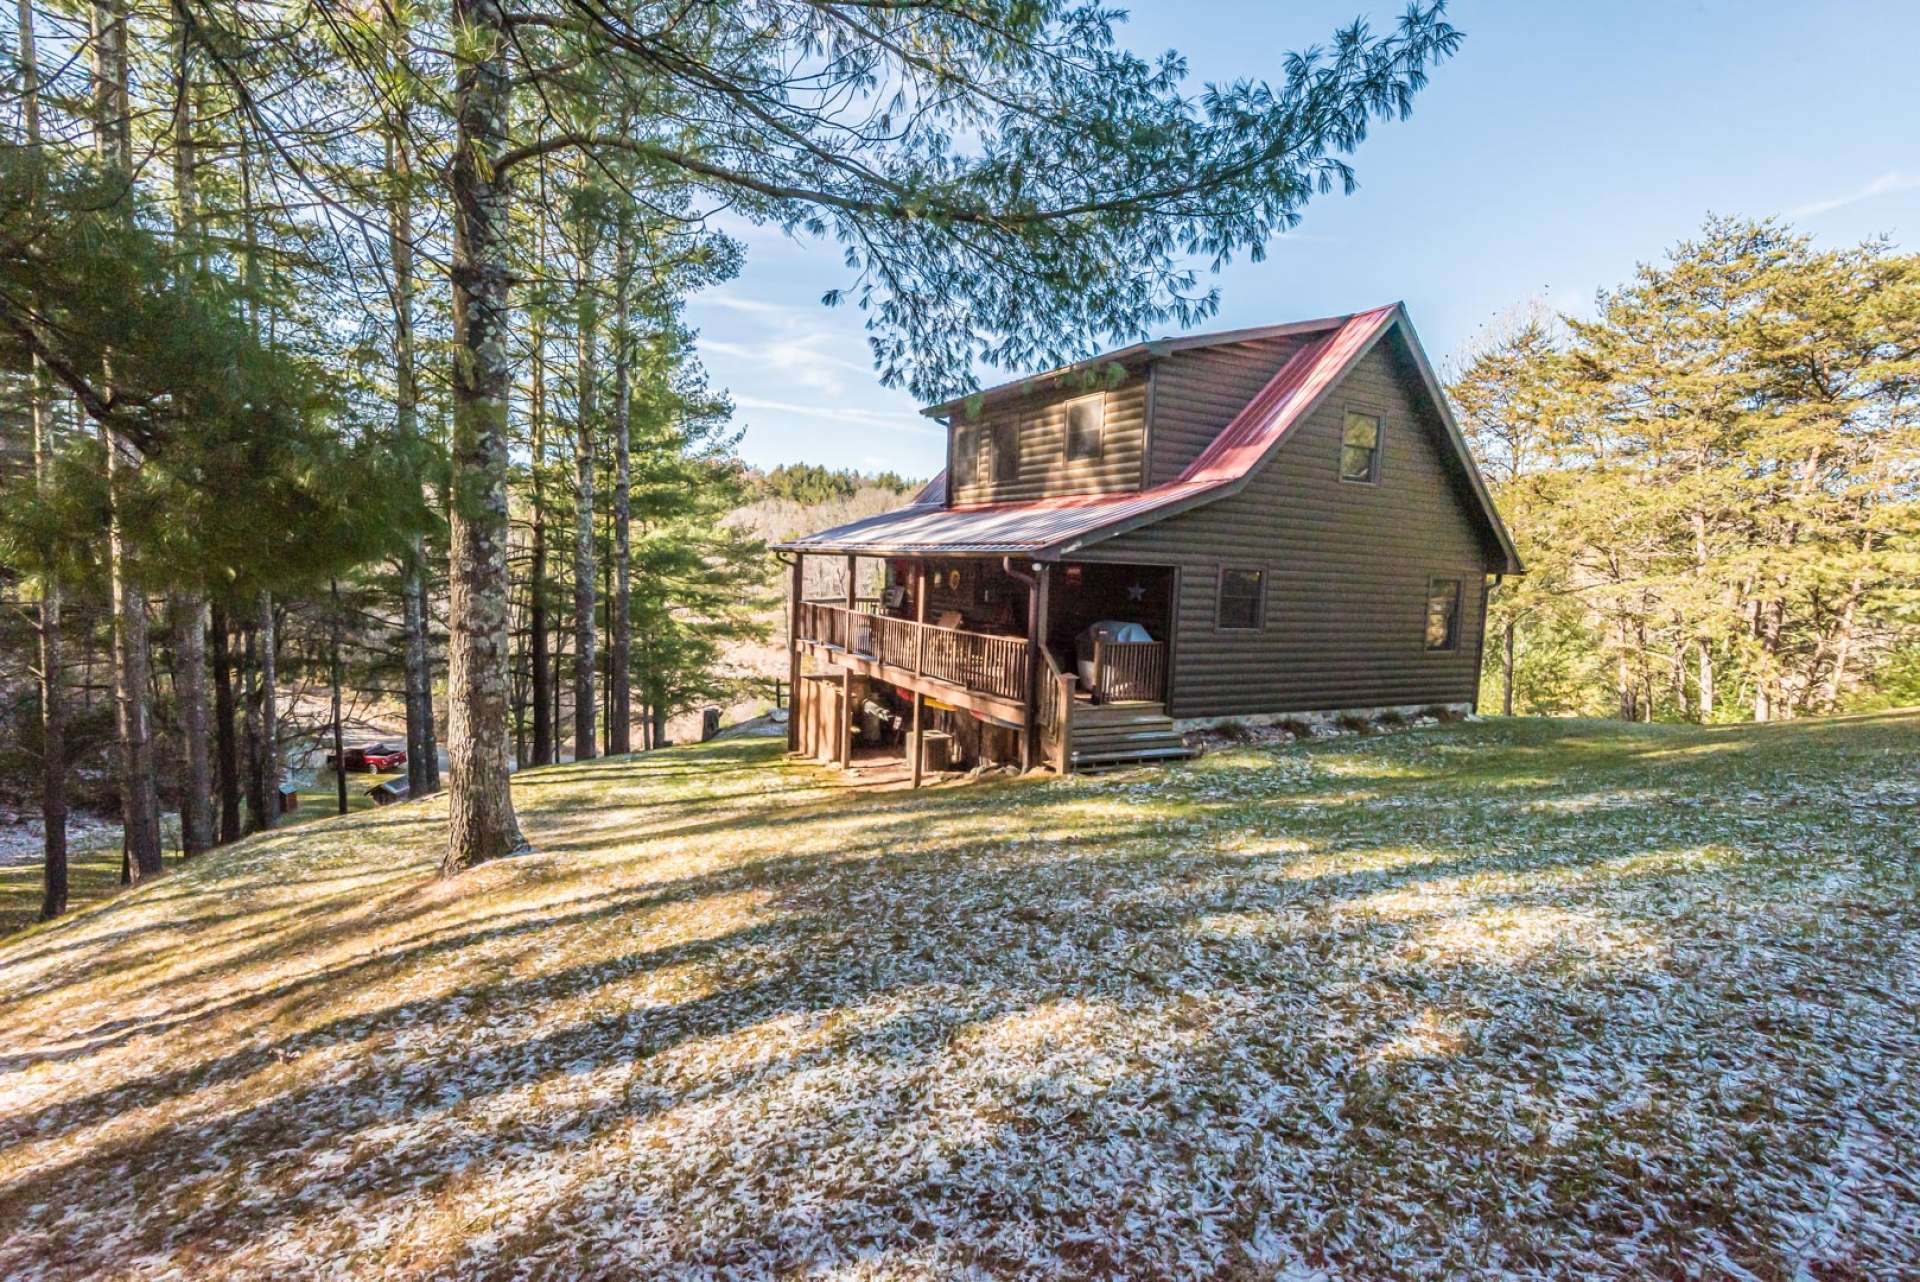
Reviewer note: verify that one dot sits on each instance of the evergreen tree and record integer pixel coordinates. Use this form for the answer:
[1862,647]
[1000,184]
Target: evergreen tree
[1711,479]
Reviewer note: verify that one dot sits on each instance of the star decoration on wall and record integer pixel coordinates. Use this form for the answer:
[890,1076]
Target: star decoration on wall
[1136,592]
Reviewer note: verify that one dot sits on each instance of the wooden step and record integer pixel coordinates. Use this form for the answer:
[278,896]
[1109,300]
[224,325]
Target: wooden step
[1139,739]
[1108,736]
[1134,723]
[1113,760]
[1103,713]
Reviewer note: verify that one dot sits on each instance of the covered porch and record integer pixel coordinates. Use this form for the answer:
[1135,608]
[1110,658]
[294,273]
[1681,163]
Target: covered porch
[953,660]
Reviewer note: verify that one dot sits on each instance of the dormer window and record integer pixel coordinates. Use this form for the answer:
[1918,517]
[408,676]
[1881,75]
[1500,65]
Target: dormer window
[966,457]
[1005,443]
[1086,427]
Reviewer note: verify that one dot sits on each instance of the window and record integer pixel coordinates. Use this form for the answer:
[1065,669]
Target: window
[1005,444]
[1443,613]
[1360,448]
[966,456]
[1240,598]
[1086,424]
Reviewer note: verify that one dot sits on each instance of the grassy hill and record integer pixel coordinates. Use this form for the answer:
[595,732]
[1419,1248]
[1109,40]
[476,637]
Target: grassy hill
[1524,998]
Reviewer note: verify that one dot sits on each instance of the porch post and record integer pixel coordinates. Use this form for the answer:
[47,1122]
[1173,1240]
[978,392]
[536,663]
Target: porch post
[1036,637]
[794,590]
[846,718]
[919,651]
[846,675]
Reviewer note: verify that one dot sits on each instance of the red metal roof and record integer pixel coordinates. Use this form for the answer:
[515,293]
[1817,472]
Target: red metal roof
[1051,526]
[1257,428]
[991,529]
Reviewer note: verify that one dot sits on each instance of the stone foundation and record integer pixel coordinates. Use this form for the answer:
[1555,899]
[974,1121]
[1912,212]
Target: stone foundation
[1328,717]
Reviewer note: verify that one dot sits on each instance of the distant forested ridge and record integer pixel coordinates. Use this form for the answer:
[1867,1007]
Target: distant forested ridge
[796,498]
[811,484]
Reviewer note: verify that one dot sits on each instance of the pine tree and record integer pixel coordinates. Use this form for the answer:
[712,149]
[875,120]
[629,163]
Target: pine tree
[1712,476]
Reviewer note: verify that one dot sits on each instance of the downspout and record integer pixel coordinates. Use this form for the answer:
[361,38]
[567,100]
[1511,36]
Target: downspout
[1030,736]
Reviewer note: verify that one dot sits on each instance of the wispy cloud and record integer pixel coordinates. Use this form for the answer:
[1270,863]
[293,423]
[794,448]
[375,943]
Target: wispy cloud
[798,348]
[737,303]
[844,415]
[1885,185]
[784,354]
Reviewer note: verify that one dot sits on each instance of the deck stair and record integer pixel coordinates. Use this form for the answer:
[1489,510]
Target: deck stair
[1110,735]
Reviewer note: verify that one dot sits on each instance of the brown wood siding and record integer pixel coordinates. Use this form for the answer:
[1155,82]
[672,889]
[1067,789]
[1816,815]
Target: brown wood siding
[1197,392]
[1346,564]
[1044,468]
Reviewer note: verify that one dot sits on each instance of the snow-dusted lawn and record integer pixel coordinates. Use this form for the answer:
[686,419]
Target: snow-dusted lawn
[1542,1000]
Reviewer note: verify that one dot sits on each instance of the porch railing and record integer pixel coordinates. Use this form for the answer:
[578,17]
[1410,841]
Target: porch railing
[1126,671]
[1054,716]
[973,661]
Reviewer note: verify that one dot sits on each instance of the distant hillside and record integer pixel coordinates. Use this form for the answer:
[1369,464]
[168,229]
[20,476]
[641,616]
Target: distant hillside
[795,498]
[791,500]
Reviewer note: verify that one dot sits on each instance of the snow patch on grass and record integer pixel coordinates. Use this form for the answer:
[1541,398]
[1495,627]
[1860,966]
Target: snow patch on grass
[1509,999]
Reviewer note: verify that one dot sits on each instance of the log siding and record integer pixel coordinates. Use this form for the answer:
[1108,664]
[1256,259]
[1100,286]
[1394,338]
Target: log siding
[1347,565]
[1197,392]
[1044,469]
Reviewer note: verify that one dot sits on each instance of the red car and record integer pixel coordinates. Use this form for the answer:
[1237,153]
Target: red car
[373,758]
[381,757]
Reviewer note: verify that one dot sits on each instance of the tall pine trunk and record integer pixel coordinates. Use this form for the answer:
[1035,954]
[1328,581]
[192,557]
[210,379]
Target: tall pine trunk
[481,821]
[423,746]
[188,610]
[1506,669]
[620,606]
[226,732]
[1770,621]
[1623,676]
[53,713]
[1703,678]
[1844,641]
[189,617]
[1703,644]
[540,652]
[257,804]
[585,590]
[133,707]
[269,712]
[335,680]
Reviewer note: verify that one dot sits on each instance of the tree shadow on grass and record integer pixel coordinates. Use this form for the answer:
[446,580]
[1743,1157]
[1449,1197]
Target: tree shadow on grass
[846,984]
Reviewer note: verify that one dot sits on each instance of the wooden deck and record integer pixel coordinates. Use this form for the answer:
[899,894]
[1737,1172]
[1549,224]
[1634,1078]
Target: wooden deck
[972,670]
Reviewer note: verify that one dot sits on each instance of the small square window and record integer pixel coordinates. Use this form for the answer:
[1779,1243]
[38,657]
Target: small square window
[1086,425]
[1005,446]
[1240,598]
[1360,448]
[1443,614]
[966,456]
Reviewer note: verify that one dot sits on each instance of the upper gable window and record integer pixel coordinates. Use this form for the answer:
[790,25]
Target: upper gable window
[1004,444]
[966,456]
[1086,427]
[1360,448]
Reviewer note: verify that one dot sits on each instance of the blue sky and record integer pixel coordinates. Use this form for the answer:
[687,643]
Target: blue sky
[1567,142]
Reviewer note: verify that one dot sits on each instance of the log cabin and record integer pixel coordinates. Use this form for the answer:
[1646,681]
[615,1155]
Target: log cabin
[1258,526]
